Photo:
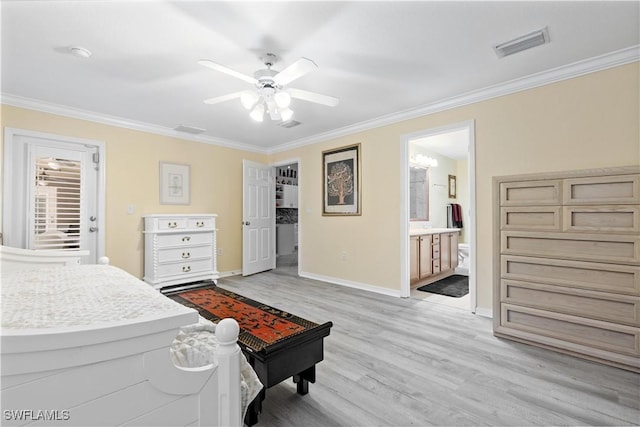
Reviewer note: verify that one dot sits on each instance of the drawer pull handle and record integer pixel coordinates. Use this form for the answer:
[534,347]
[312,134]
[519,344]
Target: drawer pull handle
[186,238]
[186,255]
[186,268]
[173,224]
[200,223]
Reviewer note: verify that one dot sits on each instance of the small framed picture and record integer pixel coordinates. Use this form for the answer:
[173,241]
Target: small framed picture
[452,186]
[341,192]
[174,184]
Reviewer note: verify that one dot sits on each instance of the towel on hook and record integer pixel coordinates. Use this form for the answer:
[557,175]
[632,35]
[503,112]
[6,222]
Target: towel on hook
[454,212]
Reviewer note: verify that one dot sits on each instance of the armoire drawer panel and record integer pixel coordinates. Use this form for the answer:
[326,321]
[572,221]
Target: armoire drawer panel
[602,219]
[592,333]
[545,192]
[545,218]
[184,268]
[602,189]
[183,254]
[580,302]
[623,279]
[587,247]
[183,239]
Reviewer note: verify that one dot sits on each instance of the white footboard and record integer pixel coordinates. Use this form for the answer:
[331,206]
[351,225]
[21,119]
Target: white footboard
[115,373]
[121,382]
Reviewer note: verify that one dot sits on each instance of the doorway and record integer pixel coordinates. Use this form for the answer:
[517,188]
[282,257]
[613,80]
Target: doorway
[53,193]
[448,154]
[287,223]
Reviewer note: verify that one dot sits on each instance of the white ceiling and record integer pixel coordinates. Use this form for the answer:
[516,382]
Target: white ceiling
[382,59]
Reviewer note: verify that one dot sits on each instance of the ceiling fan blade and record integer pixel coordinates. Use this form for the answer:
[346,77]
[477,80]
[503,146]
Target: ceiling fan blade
[313,97]
[223,98]
[294,71]
[210,64]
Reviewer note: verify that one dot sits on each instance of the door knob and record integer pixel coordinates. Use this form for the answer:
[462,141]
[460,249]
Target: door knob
[246,223]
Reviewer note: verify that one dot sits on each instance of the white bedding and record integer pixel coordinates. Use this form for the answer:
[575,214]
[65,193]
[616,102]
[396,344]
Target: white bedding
[71,297]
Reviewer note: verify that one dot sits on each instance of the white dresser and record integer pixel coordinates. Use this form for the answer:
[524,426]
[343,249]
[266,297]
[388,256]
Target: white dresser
[179,249]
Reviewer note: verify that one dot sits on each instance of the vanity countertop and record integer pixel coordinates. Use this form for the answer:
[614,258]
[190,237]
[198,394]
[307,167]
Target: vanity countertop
[423,231]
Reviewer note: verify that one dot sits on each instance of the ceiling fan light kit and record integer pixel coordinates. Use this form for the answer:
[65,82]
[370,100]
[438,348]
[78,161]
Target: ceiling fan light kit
[270,94]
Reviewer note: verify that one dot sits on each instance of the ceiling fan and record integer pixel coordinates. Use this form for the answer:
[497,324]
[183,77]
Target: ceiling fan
[270,92]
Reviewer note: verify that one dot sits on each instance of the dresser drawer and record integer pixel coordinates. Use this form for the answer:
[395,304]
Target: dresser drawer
[183,254]
[584,303]
[203,223]
[545,192]
[436,266]
[184,268]
[183,239]
[594,334]
[602,190]
[623,279]
[535,218]
[607,219]
[586,247]
[171,223]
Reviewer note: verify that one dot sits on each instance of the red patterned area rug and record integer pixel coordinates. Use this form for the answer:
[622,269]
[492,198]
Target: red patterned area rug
[261,325]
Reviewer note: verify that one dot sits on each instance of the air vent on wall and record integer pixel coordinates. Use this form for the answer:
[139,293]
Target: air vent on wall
[189,129]
[521,43]
[289,124]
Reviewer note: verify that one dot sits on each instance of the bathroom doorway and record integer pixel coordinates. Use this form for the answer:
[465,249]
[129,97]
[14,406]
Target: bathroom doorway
[446,156]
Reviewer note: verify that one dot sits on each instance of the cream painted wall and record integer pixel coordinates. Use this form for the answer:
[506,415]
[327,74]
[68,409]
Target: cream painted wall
[132,178]
[586,122]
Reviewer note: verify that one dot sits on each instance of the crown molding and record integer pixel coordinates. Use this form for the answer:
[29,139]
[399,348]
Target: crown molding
[76,113]
[565,72]
[576,69]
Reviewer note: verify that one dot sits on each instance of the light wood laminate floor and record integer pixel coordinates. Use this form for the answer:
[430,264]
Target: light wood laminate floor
[405,362]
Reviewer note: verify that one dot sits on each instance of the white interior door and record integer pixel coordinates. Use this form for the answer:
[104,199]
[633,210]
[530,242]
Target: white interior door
[259,218]
[53,194]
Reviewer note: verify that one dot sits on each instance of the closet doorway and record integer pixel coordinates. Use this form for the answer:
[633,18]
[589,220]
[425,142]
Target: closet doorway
[287,194]
[447,156]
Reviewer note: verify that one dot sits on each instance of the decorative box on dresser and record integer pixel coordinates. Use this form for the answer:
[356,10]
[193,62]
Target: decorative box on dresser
[567,264]
[179,249]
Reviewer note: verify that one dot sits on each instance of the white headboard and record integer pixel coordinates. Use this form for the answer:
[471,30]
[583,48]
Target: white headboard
[12,259]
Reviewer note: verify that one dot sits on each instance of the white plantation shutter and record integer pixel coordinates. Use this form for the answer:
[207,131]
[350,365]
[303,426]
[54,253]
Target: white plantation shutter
[57,192]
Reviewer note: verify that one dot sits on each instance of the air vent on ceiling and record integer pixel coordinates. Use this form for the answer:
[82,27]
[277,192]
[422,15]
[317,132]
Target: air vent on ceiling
[189,129]
[289,124]
[521,43]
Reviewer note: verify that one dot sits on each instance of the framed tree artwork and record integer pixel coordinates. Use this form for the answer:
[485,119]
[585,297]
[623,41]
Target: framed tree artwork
[341,192]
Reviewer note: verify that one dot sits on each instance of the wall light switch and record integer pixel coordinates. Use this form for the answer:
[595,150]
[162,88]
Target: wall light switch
[131,209]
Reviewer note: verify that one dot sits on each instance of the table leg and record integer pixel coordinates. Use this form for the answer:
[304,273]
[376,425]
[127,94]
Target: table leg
[304,378]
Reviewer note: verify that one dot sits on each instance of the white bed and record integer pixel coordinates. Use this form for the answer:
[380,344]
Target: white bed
[92,345]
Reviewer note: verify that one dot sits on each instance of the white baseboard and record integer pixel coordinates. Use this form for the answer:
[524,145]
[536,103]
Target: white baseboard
[229,273]
[351,284]
[484,312]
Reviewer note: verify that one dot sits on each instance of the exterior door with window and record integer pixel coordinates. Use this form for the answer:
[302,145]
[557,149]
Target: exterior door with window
[52,193]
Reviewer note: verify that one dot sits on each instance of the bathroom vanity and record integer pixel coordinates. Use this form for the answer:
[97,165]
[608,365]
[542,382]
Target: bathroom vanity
[433,253]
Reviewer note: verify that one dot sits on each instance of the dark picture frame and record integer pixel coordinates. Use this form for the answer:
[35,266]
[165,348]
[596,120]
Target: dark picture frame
[452,186]
[341,172]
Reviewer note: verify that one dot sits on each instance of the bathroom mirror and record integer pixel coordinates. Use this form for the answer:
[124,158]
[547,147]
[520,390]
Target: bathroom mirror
[418,193]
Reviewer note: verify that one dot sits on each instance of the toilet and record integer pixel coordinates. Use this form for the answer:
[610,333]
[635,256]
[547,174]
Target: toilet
[463,259]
